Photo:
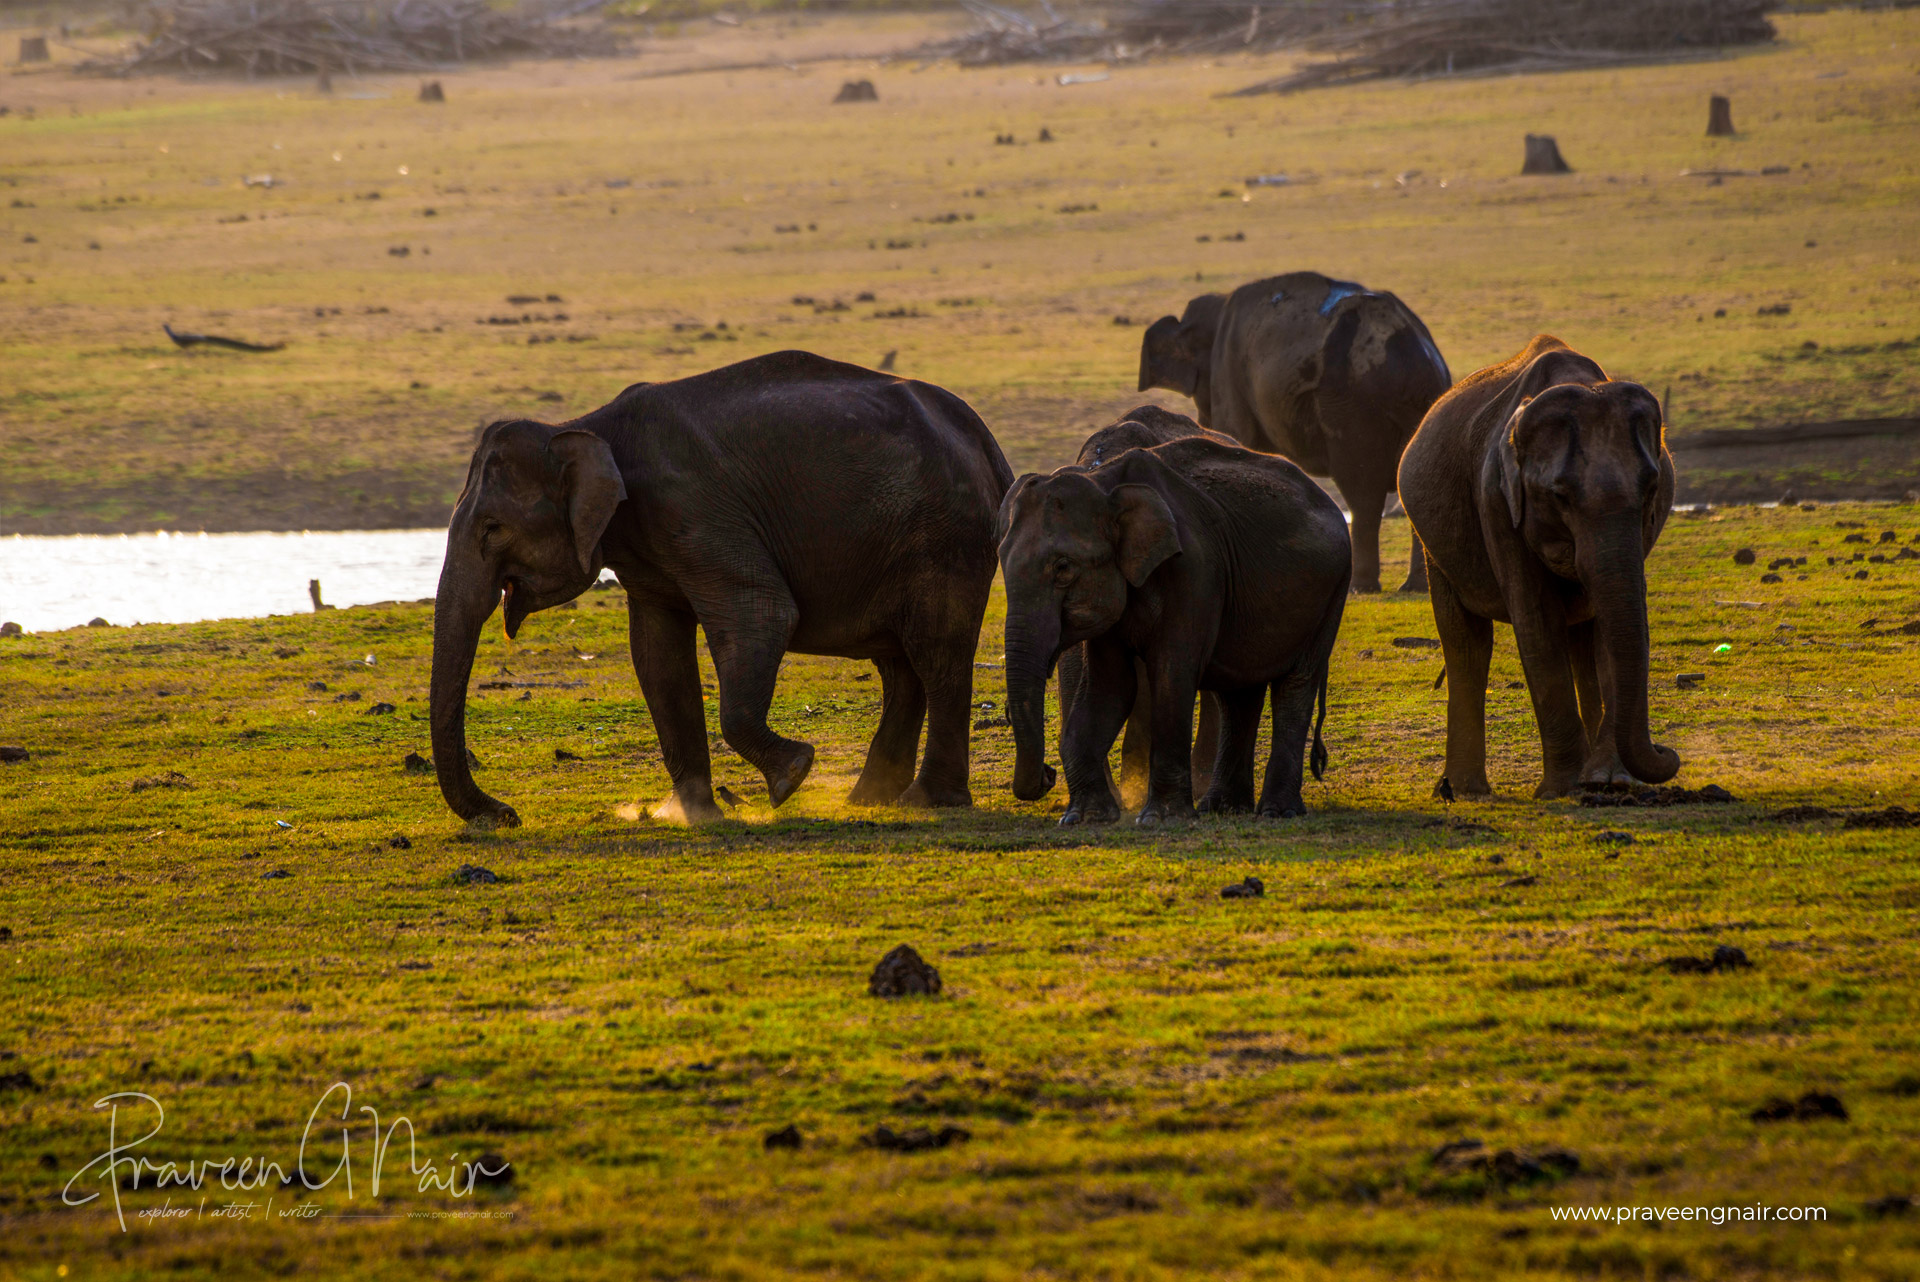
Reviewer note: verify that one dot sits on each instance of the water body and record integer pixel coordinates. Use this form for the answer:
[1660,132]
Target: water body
[47,583]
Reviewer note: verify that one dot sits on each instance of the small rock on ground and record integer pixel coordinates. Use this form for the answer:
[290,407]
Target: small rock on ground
[492,1171]
[1251,888]
[475,875]
[1615,794]
[1725,957]
[10,752]
[399,843]
[380,710]
[1612,837]
[902,972]
[1812,1106]
[917,1140]
[787,1136]
[415,764]
[275,875]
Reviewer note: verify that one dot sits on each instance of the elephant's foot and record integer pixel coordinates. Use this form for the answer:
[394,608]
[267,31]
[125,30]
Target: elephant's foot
[1604,768]
[1415,583]
[1036,788]
[1293,809]
[880,788]
[1155,813]
[1555,785]
[920,795]
[696,808]
[495,814]
[1364,587]
[1091,810]
[1474,785]
[1216,802]
[786,775]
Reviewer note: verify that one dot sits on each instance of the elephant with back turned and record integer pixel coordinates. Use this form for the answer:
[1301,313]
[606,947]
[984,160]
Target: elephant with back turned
[786,503]
[1329,373]
[1539,487]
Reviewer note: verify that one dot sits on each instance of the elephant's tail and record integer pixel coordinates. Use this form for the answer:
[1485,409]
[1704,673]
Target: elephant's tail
[1317,758]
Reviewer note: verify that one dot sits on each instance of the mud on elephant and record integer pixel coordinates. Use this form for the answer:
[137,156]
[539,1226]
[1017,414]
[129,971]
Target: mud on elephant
[786,503]
[1220,569]
[1329,373]
[1539,487]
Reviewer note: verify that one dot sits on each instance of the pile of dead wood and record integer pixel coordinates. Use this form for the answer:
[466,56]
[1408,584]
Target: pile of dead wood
[1416,38]
[1367,39]
[268,37]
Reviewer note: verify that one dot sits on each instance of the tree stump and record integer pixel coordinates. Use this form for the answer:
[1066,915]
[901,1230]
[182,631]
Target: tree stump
[1543,156]
[1719,117]
[432,92]
[857,91]
[34,49]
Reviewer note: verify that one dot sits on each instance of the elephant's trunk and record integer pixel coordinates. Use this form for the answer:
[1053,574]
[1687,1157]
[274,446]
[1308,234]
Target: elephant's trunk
[461,606]
[1033,642]
[1617,587]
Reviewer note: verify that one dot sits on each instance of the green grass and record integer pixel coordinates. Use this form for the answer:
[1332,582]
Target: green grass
[1158,1082]
[366,418]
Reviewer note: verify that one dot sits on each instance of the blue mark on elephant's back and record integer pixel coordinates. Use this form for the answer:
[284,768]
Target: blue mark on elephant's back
[1339,291]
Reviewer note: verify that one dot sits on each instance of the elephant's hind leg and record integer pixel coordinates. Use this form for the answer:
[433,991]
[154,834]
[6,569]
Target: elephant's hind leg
[946,673]
[1230,774]
[1366,500]
[890,758]
[1416,563]
[1294,696]
[747,661]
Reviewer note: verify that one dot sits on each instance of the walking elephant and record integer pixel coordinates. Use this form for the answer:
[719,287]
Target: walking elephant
[786,503]
[1539,487]
[1219,568]
[1329,373]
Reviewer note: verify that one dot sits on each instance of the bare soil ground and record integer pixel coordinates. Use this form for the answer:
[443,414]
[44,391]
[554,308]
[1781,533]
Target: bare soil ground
[657,207]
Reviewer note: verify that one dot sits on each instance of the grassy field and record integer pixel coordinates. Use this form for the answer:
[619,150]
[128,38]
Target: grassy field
[679,218]
[204,903]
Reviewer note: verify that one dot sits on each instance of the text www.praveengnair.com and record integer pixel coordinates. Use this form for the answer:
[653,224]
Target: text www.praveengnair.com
[1715,1215]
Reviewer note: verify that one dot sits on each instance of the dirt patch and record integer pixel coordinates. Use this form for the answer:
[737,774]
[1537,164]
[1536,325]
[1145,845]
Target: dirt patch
[1647,795]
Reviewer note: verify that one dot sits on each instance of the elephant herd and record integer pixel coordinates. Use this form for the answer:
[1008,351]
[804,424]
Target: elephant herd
[790,503]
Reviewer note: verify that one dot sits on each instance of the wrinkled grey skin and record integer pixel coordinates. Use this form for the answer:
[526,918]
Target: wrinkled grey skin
[1219,568]
[786,503]
[1326,372]
[1142,427]
[1539,486]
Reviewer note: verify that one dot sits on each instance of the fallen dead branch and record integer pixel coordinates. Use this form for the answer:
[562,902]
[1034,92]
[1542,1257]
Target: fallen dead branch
[273,37]
[182,339]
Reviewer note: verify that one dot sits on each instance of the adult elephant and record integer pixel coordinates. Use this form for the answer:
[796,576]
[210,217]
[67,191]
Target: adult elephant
[784,503]
[1539,486]
[1219,568]
[1329,373]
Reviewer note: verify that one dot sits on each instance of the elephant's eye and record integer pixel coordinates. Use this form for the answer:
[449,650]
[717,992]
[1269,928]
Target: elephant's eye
[1065,572]
[492,534]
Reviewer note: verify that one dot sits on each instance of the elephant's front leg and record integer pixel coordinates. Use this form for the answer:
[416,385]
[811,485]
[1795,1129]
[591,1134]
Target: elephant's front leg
[746,658]
[1603,764]
[1100,708]
[662,642]
[1466,647]
[1366,499]
[1170,792]
[1540,630]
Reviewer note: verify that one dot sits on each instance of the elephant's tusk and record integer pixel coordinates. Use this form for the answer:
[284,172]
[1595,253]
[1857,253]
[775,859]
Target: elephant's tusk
[506,600]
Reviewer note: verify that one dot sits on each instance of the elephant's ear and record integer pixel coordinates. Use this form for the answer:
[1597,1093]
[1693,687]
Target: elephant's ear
[592,488]
[1156,349]
[1511,482]
[1003,520]
[1143,531]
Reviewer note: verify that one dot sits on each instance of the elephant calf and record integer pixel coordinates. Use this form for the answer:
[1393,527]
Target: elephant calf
[1329,373]
[1539,486]
[784,503]
[1221,569]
